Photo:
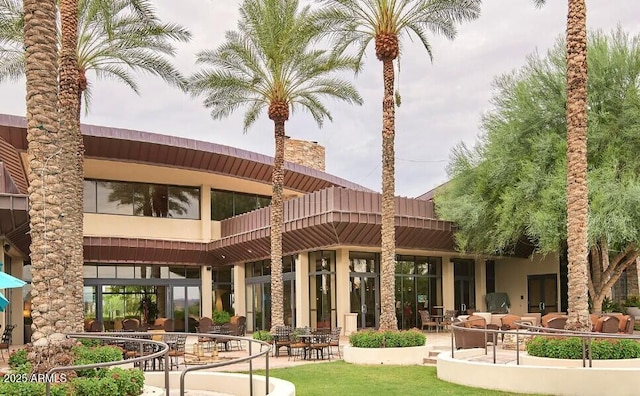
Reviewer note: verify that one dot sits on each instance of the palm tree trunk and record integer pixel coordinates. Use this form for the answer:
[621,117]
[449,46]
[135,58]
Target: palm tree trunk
[277,291]
[388,319]
[577,190]
[72,157]
[50,297]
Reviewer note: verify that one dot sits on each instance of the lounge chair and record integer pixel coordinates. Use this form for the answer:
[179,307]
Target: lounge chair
[471,339]
[427,320]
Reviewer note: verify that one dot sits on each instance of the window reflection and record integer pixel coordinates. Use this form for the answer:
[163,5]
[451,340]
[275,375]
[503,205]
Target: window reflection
[141,199]
[226,204]
[115,198]
[89,196]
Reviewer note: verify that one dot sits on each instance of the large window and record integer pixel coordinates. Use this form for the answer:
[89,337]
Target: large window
[141,199]
[322,289]
[226,204]
[418,287]
[258,289]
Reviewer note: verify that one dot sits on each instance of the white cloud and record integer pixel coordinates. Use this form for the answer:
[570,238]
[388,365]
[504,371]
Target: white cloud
[441,101]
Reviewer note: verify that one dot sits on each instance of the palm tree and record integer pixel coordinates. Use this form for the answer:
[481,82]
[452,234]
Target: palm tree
[115,38]
[41,58]
[270,62]
[71,164]
[356,23]
[577,189]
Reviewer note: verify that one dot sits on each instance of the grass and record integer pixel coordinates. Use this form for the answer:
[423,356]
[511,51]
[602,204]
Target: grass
[340,378]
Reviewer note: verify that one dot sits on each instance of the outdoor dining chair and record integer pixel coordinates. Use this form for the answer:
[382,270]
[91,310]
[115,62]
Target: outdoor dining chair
[5,342]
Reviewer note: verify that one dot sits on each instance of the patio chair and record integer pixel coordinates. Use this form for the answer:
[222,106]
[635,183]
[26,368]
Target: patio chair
[95,326]
[237,327]
[205,325]
[299,346]
[318,344]
[5,342]
[447,318]
[626,324]
[426,320]
[131,324]
[177,351]
[544,321]
[282,338]
[168,325]
[471,339]
[557,322]
[334,342]
[610,324]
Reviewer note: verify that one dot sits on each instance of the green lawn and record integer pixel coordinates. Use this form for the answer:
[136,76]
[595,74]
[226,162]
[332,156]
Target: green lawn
[340,378]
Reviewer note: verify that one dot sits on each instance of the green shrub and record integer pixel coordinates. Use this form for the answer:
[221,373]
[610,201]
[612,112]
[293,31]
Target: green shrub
[18,358]
[609,305]
[632,301]
[90,342]
[262,335]
[571,348]
[387,339]
[221,317]
[94,386]
[86,355]
[129,381]
[21,388]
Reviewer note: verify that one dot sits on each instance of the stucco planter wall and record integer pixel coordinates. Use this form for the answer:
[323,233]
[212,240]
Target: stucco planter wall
[227,383]
[634,311]
[537,379]
[527,360]
[396,356]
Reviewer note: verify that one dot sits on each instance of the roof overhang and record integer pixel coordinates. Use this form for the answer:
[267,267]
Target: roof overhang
[331,217]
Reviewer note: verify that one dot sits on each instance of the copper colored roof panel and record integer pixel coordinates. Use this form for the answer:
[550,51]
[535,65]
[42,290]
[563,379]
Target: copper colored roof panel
[331,217]
[150,148]
[146,251]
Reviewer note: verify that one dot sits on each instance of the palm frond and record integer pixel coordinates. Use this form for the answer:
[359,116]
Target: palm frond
[273,56]
[115,38]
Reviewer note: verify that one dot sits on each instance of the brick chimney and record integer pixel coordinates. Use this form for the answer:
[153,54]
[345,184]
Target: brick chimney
[304,152]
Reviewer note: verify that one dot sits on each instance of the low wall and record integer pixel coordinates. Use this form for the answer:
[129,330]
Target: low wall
[395,356]
[229,383]
[525,359]
[565,381]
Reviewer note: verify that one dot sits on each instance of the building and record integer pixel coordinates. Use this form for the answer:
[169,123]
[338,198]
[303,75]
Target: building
[184,225]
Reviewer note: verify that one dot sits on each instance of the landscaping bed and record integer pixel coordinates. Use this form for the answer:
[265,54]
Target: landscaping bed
[23,380]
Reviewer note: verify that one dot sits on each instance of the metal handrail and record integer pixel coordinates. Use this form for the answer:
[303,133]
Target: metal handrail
[586,337]
[249,358]
[164,349]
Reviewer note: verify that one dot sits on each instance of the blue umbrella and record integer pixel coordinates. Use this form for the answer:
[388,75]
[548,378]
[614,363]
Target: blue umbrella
[7,281]
[3,302]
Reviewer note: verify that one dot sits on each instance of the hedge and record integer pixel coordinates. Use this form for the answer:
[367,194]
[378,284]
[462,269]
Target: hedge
[387,339]
[571,348]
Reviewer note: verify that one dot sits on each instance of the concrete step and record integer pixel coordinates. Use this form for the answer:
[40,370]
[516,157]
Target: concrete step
[430,361]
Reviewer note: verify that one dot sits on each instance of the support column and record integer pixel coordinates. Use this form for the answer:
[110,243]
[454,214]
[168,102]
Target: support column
[16,303]
[302,289]
[207,295]
[239,290]
[448,284]
[205,212]
[343,303]
[480,276]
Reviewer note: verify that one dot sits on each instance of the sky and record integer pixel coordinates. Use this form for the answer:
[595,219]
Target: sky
[442,101]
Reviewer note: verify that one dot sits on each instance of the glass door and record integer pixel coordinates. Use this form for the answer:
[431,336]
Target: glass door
[185,307]
[542,293]
[464,285]
[364,300]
